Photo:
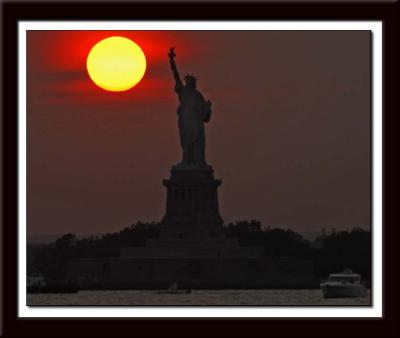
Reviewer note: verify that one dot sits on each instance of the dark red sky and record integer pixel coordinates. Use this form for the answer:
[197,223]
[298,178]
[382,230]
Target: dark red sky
[289,135]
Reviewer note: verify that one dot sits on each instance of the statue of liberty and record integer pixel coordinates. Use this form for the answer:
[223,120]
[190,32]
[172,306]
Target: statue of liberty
[193,112]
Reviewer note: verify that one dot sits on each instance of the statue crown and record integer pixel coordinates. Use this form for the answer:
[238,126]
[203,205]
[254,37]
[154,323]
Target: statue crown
[191,77]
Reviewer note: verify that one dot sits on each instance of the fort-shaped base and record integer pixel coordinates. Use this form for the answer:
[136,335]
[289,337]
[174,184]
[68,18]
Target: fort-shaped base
[192,249]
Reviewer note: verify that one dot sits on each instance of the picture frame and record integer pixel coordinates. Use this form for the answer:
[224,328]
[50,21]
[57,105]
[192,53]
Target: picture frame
[387,13]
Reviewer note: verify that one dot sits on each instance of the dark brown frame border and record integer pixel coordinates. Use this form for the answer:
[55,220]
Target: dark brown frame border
[387,12]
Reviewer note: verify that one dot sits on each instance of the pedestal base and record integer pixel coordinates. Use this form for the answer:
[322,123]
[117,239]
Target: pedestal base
[192,204]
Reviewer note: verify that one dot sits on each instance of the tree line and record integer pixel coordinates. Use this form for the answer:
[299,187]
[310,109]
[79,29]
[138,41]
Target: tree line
[330,253]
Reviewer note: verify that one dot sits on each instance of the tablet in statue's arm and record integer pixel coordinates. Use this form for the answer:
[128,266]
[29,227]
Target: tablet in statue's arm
[207,111]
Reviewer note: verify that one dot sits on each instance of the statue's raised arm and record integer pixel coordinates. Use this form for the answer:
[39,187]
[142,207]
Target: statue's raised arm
[178,81]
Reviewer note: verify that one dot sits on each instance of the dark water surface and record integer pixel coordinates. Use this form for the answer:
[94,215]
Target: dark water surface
[197,297]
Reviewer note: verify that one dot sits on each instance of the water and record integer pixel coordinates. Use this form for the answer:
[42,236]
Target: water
[197,297]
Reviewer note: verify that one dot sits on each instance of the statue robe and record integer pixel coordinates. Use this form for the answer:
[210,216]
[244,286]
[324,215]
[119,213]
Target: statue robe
[193,111]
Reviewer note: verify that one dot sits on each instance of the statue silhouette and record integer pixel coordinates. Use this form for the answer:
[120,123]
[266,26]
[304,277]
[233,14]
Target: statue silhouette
[193,112]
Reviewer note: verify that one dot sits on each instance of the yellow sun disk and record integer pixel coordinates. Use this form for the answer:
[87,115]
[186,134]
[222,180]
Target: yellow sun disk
[116,64]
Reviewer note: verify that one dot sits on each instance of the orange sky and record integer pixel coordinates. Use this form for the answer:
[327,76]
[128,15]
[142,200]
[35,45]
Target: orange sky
[289,135]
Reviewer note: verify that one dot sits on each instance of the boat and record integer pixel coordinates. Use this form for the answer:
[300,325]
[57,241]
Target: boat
[343,285]
[174,290]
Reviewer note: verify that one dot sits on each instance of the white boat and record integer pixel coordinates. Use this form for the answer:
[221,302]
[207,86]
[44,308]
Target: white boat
[345,284]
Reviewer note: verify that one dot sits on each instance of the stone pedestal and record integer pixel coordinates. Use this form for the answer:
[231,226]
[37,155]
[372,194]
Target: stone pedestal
[192,204]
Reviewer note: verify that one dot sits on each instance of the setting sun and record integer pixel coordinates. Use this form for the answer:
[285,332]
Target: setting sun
[116,64]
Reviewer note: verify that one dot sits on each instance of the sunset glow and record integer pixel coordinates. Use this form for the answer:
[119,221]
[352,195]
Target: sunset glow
[116,64]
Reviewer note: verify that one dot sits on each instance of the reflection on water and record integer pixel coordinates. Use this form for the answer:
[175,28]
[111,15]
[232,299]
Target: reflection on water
[197,297]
